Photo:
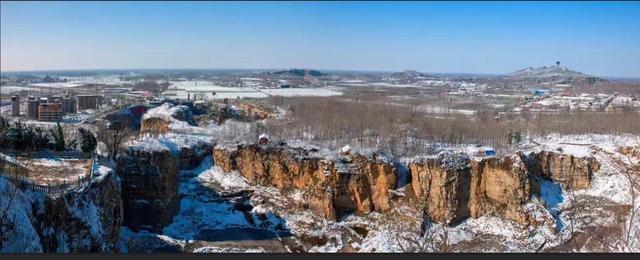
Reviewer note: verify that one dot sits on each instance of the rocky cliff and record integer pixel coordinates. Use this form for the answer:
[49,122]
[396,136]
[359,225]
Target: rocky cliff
[442,186]
[87,220]
[155,126]
[192,154]
[451,188]
[149,172]
[169,118]
[80,220]
[332,187]
[500,186]
[568,170]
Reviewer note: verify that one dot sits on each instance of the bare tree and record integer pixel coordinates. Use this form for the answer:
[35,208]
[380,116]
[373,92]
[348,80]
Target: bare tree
[114,135]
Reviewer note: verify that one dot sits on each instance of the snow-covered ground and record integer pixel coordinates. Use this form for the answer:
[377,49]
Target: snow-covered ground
[290,92]
[58,85]
[22,236]
[5,90]
[206,89]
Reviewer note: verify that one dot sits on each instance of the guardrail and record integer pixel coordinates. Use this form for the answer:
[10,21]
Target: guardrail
[48,153]
[21,181]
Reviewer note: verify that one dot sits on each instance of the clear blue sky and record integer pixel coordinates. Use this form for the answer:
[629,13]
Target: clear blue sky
[600,38]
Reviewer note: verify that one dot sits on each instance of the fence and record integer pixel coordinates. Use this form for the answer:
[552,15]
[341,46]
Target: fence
[48,153]
[21,181]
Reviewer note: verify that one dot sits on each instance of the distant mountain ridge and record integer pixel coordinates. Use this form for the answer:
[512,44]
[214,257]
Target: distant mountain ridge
[552,74]
[300,73]
[409,74]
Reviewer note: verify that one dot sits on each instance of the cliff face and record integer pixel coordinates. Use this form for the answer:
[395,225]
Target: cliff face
[79,221]
[332,188]
[149,187]
[452,188]
[191,156]
[568,170]
[500,186]
[84,221]
[449,188]
[155,126]
[442,187]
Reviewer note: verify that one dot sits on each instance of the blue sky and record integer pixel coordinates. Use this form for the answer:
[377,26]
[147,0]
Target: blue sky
[599,38]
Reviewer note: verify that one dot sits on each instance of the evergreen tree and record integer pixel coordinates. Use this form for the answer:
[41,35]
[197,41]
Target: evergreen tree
[3,124]
[88,141]
[59,138]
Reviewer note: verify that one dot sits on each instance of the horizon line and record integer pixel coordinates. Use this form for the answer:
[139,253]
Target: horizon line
[283,68]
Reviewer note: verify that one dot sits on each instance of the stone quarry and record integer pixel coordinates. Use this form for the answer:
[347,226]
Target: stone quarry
[449,187]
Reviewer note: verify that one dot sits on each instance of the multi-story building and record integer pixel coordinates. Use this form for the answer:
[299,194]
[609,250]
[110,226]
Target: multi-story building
[32,108]
[15,105]
[50,112]
[68,105]
[89,102]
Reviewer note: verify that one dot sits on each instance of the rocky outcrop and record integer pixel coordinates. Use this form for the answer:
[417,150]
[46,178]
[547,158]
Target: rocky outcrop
[191,155]
[451,187]
[155,126]
[149,173]
[570,171]
[81,220]
[499,186]
[225,158]
[87,220]
[167,118]
[448,188]
[442,186]
[333,187]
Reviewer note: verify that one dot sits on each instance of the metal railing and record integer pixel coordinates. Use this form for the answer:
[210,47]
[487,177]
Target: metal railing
[24,183]
[48,153]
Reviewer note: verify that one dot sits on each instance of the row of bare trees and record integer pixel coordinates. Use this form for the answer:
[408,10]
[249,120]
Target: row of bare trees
[406,129]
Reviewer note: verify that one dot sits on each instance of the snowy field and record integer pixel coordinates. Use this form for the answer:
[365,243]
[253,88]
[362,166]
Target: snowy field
[181,89]
[57,85]
[290,92]
[5,90]
[105,79]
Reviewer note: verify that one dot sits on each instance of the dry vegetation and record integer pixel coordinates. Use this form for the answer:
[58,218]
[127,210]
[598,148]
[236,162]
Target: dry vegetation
[404,129]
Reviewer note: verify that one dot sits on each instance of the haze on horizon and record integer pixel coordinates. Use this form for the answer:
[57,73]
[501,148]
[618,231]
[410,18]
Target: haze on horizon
[598,38]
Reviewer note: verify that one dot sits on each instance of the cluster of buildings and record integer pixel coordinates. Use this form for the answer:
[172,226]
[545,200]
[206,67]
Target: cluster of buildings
[53,108]
[585,102]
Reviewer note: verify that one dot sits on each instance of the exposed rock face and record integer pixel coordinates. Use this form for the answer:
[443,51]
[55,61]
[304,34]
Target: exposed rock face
[570,171]
[84,221]
[155,126]
[449,188]
[226,112]
[452,187]
[162,119]
[225,158]
[149,187]
[333,188]
[442,185]
[500,186]
[192,155]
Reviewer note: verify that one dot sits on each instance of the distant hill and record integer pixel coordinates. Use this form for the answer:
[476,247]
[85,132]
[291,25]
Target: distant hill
[409,74]
[559,74]
[300,73]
